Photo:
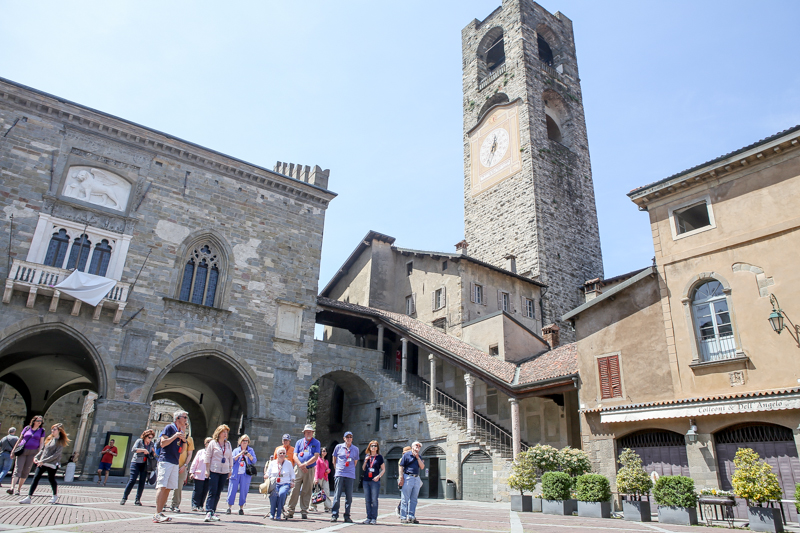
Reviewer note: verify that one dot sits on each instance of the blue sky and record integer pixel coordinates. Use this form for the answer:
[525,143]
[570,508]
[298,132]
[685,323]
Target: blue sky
[372,90]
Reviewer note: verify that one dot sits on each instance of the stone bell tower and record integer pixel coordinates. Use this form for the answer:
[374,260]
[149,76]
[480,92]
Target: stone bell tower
[528,189]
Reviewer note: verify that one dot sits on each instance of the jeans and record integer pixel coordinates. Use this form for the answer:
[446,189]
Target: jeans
[51,477]
[199,493]
[277,499]
[215,484]
[410,491]
[240,483]
[5,464]
[138,470]
[343,484]
[371,490]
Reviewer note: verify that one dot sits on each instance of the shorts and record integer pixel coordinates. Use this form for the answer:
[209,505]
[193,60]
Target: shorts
[167,475]
[105,467]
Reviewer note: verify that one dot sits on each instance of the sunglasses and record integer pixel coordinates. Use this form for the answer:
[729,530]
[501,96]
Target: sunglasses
[374,446]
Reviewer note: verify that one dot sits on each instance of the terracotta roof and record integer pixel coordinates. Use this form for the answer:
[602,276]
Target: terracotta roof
[752,394]
[561,362]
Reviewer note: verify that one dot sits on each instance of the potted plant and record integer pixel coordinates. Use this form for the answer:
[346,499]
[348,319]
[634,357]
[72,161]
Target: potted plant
[522,478]
[537,502]
[715,497]
[544,459]
[594,496]
[556,491]
[676,499]
[633,481]
[754,481]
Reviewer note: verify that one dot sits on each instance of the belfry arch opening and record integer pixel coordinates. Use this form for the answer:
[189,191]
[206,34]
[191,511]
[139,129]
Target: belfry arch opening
[545,52]
[491,53]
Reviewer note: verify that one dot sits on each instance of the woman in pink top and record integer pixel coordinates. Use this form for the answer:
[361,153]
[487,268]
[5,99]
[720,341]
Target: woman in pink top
[197,472]
[321,479]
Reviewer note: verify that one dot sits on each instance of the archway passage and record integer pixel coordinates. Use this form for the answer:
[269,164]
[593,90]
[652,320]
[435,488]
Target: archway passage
[434,477]
[211,390]
[45,365]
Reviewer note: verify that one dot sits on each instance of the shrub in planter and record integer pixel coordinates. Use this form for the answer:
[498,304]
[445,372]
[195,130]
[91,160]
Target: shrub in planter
[594,495]
[754,481]
[633,481]
[522,478]
[556,491]
[573,461]
[676,499]
[544,458]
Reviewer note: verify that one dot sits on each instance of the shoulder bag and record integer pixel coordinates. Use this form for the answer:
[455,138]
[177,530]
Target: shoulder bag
[20,446]
[250,468]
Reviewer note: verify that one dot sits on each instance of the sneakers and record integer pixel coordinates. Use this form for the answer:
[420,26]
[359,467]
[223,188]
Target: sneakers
[175,509]
[241,512]
[304,516]
[367,521]
[138,502]
[347,520]
[374,522]
[209,517]
[228,511]
[54,499]
[158,518]
[404,521]
[122,501]
[26,499]
[414,521]
[334,518]
[214,517]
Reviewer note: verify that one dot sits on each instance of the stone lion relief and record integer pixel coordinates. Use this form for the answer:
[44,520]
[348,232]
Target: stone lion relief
[99,187]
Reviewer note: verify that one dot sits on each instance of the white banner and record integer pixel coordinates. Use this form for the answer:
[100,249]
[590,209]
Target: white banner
[86,287]
[695,409]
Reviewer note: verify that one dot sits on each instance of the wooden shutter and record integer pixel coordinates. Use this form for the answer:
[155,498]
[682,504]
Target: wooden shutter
[610,383]
[444,296]
[433,301]
[499,299]
[413,303]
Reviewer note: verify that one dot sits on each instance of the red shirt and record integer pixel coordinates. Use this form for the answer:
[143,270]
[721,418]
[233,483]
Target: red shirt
[107,451]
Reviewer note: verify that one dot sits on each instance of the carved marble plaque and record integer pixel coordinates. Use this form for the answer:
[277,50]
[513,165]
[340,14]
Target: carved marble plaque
[96,186]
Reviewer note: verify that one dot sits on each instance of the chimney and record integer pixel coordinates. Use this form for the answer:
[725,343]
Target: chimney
[511,263]
[461,247]
[550,334]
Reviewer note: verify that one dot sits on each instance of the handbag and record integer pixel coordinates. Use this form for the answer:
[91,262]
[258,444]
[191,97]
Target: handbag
[19,447]
[268,486]
[152,463]
[250,469]
[318,496]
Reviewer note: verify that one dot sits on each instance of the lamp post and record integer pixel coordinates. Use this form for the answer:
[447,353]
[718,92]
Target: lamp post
[691,435]
[777,319]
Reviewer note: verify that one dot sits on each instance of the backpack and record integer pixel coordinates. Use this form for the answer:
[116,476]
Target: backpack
[157,443]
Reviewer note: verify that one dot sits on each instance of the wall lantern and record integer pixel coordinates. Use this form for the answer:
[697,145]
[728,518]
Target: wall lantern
[777,319]
[691,435]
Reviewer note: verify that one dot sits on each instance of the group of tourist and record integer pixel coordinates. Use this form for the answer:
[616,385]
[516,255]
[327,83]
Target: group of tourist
[291,476]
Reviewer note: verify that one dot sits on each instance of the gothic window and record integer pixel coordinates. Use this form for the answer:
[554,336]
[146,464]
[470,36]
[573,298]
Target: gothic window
[100,258]
[57,249]
[201,274]
[81,246]
[712,322]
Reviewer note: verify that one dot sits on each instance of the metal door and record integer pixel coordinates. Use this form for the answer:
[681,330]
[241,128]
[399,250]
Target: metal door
[663,452]
[392,459]
[476,478]
[436,476]
[775,445]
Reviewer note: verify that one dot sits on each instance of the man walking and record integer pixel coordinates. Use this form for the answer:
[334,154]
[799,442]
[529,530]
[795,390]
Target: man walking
[106,458]
[173,438]
[409,482]
[6,446]
[345,457]
[183,470]
[306,452]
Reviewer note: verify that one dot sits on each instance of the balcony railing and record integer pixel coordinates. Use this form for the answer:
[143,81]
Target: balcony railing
[36,279]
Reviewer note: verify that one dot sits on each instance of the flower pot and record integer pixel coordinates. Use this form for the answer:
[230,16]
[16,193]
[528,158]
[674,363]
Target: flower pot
[594,509]
[537,505]
[521,503]
[682,516]
[636,511]
[558,507]
[765,519]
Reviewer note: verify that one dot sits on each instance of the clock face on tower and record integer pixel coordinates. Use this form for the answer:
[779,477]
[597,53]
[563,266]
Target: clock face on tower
[494,148]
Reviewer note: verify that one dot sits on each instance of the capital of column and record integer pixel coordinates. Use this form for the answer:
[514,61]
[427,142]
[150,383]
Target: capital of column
[513,401]
[380,327]
[404,340]
[469,380]
[431,357]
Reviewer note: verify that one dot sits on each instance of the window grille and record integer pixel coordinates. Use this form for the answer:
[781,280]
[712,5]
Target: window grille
[651,439]
[754,433]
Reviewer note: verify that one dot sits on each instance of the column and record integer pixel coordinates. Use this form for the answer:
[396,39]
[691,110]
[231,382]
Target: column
[470,381]
[432,360]
[404,366]
[380,338]
[515,436]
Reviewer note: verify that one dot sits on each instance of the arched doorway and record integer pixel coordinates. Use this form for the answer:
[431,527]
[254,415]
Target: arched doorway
[775,444]
[476,477]
[434,478]
[662,451]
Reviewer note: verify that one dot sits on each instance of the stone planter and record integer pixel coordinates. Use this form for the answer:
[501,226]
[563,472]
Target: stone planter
[521,503]
[594,509]
[537,505]
[682,516]
[559,507]
[636,511]
[765,519]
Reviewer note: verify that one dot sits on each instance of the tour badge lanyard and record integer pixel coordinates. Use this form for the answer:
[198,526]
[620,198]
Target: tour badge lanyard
[371,465]
[347,459]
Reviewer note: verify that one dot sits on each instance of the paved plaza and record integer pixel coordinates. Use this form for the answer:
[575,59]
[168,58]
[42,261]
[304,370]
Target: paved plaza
[89,508]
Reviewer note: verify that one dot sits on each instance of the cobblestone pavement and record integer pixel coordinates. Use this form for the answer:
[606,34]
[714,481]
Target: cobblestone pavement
[93,509]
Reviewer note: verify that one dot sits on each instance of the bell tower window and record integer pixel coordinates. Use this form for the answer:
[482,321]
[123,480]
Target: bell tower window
[545,52]
[491,53]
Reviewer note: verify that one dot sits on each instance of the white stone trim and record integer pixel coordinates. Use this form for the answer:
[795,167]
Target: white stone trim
[689,203]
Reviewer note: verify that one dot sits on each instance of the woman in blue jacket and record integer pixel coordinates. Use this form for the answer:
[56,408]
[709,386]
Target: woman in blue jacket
[239,481]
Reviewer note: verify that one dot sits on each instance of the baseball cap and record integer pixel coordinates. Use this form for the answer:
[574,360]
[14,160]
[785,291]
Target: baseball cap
[286,437]
[348,434]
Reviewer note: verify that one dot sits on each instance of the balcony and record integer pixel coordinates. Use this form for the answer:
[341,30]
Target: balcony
[36,279]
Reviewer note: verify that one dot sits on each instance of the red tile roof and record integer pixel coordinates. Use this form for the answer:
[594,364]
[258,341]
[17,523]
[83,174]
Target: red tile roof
[563,361]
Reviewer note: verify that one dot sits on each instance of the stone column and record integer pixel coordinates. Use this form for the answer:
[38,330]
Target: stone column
[404,366]
[470,381]
[380,338]
[432,359]
[515,435]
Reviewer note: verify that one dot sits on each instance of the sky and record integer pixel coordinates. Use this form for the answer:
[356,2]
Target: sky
[373,92]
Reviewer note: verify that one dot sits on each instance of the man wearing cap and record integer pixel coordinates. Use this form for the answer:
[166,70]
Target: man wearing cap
[345,457]
[287,447]
[306,452]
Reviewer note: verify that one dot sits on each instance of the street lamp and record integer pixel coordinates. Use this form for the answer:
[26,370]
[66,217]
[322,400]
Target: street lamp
[777,319]
[691,435]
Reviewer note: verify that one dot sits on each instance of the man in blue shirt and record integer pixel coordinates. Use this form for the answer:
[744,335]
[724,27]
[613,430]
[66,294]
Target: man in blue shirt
[409,482]
[345,457]
[306,452]
[172,438]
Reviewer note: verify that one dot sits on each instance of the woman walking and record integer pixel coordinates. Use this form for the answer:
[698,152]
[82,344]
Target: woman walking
[282,472]
[31,440]
[373,468]
[323,470]
[47,461]
[142,449]
[218,469]
[243,457]
[197,472]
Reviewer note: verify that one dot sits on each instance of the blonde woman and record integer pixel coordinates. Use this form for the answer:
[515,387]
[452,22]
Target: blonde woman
[218,460]
[47,461]
[239,482]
